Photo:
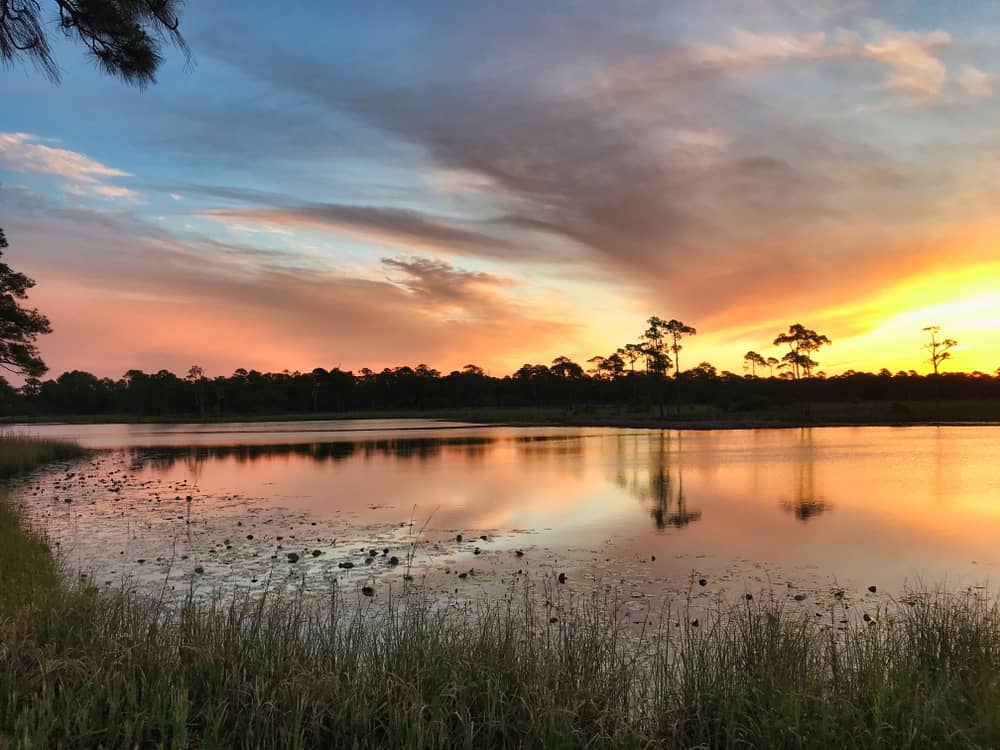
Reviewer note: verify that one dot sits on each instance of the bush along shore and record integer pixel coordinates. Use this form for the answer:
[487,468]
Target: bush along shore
[83,667]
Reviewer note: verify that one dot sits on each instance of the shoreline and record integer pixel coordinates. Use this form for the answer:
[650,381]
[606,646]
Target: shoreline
[514,418]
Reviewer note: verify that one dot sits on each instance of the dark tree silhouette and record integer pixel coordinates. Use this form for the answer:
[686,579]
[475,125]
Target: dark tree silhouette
[938,348]
[124,37]
[19,326]
[564,367]
[753,360]
[606,368]
[630,353]
[677,330]
[802,342]
[655,347]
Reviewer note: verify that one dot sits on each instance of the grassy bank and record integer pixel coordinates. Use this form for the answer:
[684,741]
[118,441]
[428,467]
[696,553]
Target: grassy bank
[20,454]
[88,667]
[691,416]
[96,669]
[26,566]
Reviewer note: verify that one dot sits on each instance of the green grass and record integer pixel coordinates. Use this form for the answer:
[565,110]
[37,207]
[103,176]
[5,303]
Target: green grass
[21,453]
[26,565]
[115,670]
[88,667]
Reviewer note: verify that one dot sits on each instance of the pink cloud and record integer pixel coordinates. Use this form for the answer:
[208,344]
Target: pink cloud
[76,172]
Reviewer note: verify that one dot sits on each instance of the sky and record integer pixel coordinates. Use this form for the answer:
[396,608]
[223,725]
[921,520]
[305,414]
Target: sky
[383,183]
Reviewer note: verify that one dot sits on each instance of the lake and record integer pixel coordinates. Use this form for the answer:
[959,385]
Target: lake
[651,511]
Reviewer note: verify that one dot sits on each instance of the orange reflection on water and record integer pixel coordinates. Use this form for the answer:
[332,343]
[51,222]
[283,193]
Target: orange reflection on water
[867,504]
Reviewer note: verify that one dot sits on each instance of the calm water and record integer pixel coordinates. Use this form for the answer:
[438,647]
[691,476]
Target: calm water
[810,508]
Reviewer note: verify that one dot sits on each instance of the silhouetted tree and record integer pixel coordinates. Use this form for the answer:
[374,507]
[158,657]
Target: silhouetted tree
[655,347]
[753,360]
[124,37]
[196,377]
[607,368]
[703,370]
[564,367]
[596,366]
[631,353]
[19,326]
[802,342]
[677,330]
[939,349]
[772,362]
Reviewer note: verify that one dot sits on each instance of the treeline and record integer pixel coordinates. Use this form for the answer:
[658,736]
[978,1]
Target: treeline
[562,383]
[638,376]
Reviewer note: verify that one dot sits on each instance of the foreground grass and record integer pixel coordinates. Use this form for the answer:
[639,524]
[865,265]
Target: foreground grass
[83,667]
[97,669]
[26,566]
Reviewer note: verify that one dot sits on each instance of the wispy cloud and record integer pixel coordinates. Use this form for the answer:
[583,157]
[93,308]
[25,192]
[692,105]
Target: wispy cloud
[76,173]
[913,68]
[977,82]
[383,225]
[449,291]
[165,301]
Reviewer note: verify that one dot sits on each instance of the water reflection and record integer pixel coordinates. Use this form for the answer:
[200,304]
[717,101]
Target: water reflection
[908,501]
[656,477]
[648,466]
[660,484]
[653,467]
[418,449]
[806,502]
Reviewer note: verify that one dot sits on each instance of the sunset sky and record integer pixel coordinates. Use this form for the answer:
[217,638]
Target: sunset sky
[374,184]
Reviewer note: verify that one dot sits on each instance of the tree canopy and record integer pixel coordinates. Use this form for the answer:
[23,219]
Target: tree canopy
[124,37]
[19,325]
[802,342]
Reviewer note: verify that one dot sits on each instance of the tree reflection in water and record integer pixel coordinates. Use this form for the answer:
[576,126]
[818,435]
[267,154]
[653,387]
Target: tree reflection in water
[661,486]
[419,449]
[806,503]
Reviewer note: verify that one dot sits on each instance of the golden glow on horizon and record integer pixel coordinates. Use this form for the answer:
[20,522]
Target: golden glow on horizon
[882,330]
[965,303]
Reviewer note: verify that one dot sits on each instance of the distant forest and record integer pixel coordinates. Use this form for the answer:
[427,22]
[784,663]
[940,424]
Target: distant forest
[563,383]
[642,377]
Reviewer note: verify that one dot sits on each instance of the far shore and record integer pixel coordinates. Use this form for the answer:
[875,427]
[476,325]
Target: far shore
[685,417]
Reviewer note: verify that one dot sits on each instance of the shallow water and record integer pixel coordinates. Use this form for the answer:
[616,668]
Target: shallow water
[799,510]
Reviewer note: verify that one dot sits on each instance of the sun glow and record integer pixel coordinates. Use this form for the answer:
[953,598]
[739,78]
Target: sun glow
[965,303]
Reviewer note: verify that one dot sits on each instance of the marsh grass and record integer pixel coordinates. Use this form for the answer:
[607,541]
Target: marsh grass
[26,566]
[116,669]
[21,453]
[87,667]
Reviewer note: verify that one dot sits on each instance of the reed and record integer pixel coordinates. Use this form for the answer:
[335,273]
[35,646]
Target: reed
[21,453]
